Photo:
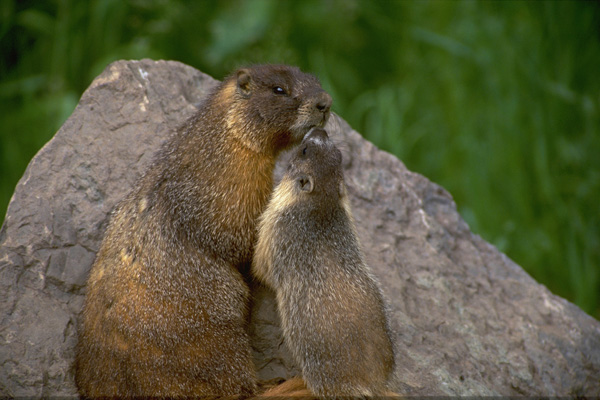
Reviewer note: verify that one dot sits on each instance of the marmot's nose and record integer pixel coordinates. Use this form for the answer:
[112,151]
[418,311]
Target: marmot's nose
[324,102]
[316,134]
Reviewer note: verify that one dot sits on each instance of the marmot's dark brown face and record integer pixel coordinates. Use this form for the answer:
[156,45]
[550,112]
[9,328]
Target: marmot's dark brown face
[316,167]
[282,101]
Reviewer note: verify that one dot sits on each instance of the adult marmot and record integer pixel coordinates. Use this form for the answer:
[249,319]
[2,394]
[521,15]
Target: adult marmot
[331,307]
[166,304]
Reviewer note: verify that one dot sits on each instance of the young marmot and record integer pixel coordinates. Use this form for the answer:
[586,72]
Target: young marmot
[166,306]
[331,307]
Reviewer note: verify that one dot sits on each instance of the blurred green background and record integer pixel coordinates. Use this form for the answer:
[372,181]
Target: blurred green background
[498,102]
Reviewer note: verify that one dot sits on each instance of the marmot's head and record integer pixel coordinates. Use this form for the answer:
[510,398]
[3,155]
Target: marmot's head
[315,168]
[274,106]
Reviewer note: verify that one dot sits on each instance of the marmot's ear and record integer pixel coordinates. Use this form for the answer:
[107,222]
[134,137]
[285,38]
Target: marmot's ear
[243,82]
[306,183]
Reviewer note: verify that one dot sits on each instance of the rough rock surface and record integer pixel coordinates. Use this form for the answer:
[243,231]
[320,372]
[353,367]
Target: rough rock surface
[468,320]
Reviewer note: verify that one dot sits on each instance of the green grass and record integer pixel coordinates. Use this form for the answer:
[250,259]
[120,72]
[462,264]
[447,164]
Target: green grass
[497,101]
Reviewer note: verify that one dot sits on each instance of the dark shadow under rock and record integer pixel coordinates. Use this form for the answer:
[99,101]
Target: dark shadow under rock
[467,320]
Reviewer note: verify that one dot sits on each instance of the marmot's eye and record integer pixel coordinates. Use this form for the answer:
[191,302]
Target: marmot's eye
[279,90]
[304,150]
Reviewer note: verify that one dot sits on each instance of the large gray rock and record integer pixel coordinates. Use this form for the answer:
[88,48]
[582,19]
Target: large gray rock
[467,320]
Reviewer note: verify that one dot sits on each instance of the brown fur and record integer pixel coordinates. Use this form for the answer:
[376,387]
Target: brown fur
[165,311]
[331,308]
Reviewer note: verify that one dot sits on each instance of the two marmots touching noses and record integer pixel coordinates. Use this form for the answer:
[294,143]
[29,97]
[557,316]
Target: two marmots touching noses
[166,306]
